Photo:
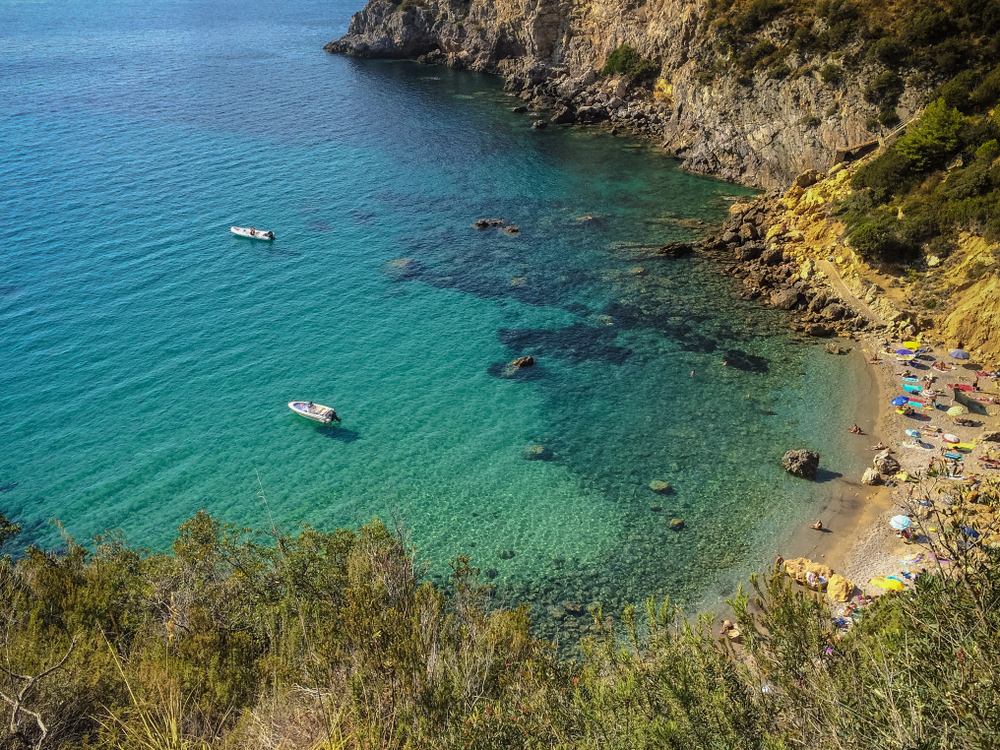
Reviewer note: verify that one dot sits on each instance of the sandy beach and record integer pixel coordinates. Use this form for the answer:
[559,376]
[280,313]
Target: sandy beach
[857,541]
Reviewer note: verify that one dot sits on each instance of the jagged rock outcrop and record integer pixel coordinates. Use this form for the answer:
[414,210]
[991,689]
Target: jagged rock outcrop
[759,130]
[801,463]
[885,463]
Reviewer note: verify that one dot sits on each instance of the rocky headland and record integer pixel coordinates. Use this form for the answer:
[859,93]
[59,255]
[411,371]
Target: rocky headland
[759,128]
[793,106]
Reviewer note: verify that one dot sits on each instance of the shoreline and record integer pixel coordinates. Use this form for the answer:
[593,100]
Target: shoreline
[851,506]
[861,545]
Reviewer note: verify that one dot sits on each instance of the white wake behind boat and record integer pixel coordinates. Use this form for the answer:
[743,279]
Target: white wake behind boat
[315,412]
[252,232]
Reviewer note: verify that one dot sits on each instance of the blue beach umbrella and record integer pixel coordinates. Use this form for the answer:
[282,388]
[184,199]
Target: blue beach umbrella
[913,433]
[899,400]
[900,522]
[959,354]
[904,351]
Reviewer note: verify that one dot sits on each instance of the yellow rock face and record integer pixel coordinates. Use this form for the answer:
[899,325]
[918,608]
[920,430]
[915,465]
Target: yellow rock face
[965,287]
[799,568]
[839,588]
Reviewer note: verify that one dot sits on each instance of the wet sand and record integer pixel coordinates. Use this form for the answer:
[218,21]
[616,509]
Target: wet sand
[853,506]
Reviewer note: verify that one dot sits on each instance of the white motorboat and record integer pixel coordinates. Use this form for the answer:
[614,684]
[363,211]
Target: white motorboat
[252,232]
[315,412]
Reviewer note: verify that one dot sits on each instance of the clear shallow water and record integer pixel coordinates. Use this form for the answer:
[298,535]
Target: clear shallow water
[148,354]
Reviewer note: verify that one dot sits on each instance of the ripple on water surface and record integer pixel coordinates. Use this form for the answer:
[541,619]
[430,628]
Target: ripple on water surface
[149,353]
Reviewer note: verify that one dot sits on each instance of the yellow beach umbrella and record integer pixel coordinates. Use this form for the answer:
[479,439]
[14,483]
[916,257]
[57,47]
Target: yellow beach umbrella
[955,410]
[889,584]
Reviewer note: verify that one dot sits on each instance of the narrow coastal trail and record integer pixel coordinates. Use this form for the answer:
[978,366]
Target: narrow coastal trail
[845,294]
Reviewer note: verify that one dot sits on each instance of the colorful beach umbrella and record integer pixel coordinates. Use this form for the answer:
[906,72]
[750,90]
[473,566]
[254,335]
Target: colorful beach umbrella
[959,354]
[900,522]
[890,584]
[913,433]
[956,410]
[899,400]
[905,352]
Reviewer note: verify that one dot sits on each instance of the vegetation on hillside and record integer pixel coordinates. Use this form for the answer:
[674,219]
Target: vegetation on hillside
[942,176]
[932,38]
[238,639]
[626,61]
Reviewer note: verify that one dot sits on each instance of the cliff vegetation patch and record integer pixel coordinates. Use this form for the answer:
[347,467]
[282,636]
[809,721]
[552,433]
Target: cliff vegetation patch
[626,61]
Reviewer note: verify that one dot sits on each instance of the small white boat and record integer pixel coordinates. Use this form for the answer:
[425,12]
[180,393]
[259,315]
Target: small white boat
[252,232]
[315,412]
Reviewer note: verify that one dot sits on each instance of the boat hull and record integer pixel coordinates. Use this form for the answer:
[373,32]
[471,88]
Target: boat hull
[314,412]
[252,233]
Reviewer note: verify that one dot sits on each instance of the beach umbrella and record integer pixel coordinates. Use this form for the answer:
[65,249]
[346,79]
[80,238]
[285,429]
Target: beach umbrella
[890,584]
[900,522]
[955,410]
[899,400]
[905,352]
[949,438]
[913,433]
[959,354]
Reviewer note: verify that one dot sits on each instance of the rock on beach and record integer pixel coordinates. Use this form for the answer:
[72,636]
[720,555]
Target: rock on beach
[801,463]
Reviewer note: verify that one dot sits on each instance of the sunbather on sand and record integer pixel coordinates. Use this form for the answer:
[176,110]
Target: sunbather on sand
[879,446]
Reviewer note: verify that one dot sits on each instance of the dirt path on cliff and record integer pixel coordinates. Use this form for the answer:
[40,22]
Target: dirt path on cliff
[845,294]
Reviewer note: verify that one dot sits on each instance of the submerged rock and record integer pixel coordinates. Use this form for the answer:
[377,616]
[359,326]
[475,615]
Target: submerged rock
[536,453]
[484,223]
[801,463]
[660,487]
[676,524]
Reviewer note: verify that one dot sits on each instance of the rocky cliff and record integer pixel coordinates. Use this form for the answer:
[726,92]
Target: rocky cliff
[760,128]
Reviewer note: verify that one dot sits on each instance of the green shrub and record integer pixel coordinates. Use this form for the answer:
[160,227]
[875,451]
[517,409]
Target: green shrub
[956,92]
[988,151]
[888,174]
[811,121]
[626,61]
[888,117]
[831,73]
[930,303]
[779,71]
[927,26]
[987,92]
[756,14]
[885,88]
[888,50]
[968,182]
[934,136]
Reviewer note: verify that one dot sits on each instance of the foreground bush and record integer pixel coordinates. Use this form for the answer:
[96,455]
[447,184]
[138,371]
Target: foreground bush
[239,639]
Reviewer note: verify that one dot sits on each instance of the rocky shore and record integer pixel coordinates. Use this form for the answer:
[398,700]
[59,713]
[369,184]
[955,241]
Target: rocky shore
[757,129]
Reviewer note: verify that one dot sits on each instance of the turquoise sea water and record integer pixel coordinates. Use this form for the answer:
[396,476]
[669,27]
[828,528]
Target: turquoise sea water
[148,354]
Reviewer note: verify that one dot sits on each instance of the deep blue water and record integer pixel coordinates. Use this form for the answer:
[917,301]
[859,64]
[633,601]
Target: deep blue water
[148,354]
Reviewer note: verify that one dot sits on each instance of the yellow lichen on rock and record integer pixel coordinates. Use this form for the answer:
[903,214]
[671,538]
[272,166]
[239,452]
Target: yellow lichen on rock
[663,91]
[839,588]
[808,573]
